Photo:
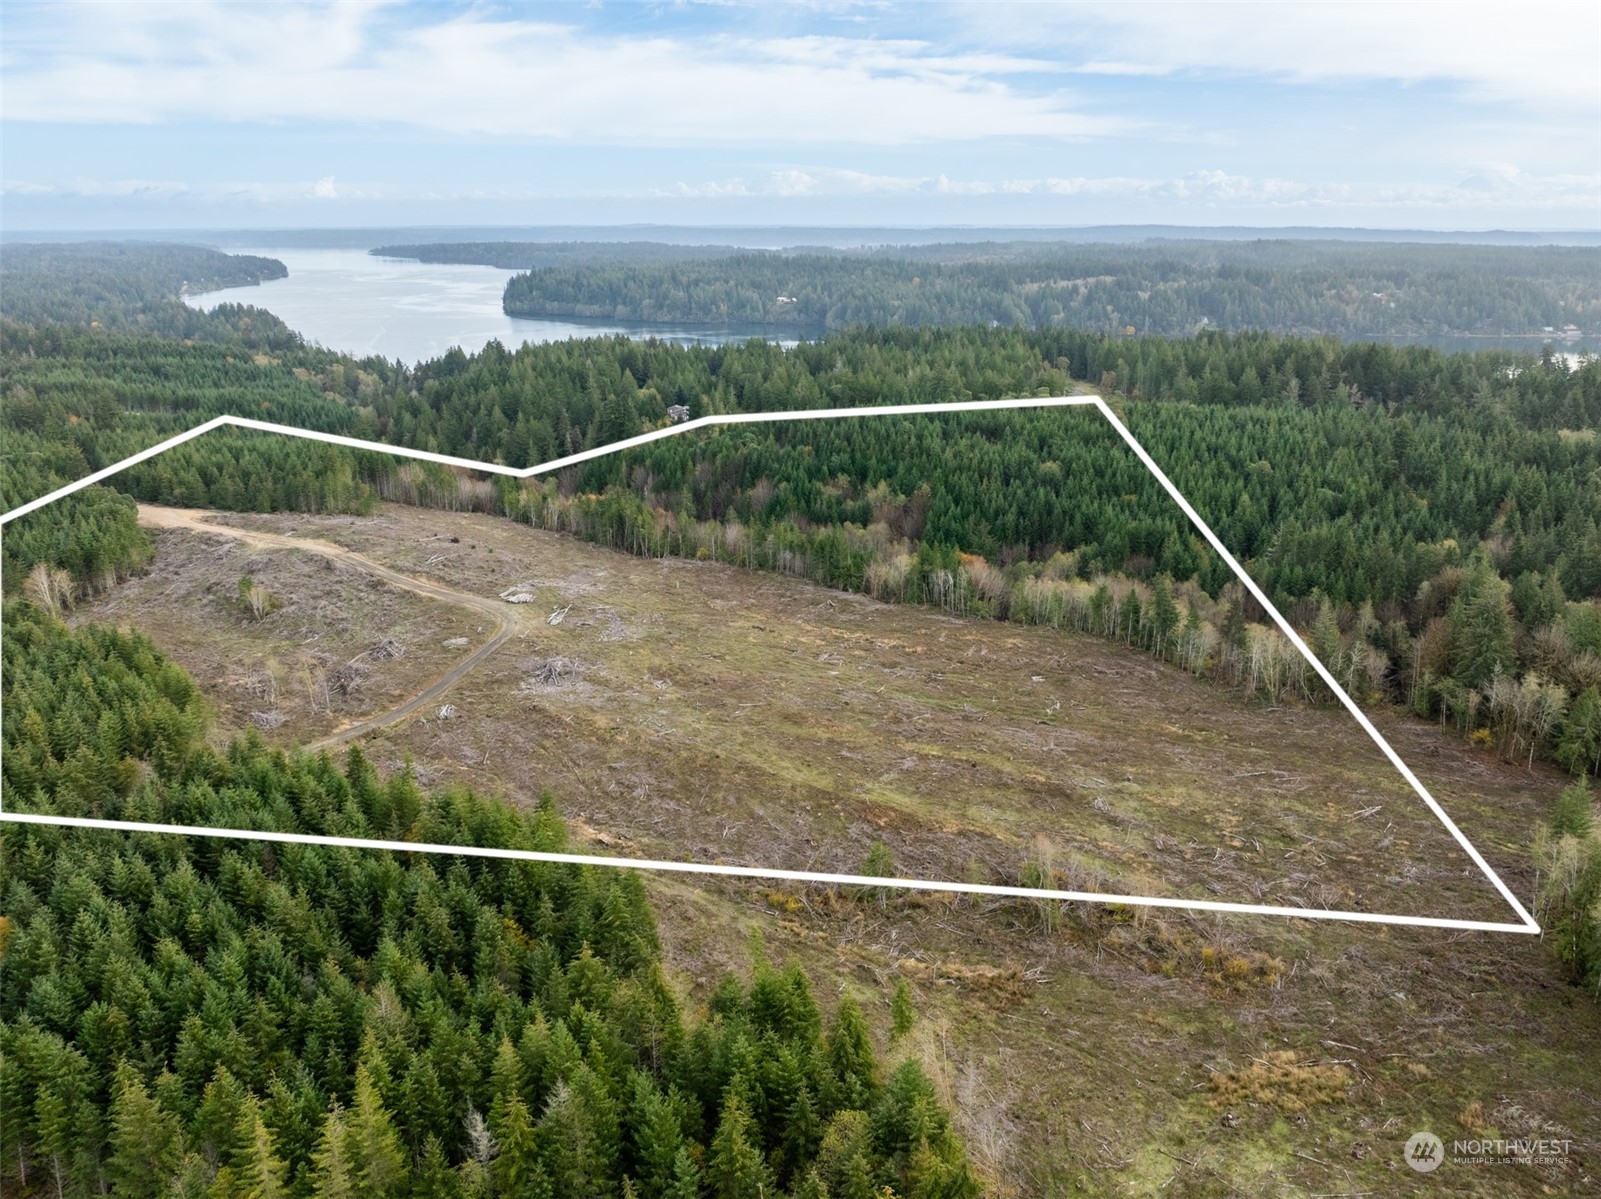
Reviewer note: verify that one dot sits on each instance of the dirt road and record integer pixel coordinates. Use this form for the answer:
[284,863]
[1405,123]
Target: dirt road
[199,520]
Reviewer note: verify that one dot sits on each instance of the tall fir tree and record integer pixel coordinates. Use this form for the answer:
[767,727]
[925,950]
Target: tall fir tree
[146,1142]
[735,1167]
[333,1177]
[258,1171]
[377,1165]
[850,1059]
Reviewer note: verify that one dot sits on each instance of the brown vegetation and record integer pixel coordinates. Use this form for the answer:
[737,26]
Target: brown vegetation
[1088,1048]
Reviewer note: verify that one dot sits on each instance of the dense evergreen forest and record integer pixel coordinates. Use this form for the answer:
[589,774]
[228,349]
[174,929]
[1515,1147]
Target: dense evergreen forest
[1173,288]
[134,287]
[1433,520]
[76,400]
[192,1017]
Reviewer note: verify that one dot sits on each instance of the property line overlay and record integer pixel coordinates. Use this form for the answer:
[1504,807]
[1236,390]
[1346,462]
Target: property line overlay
[1526,922]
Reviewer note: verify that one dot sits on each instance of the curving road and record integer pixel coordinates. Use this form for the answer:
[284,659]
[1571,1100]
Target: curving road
[198,520]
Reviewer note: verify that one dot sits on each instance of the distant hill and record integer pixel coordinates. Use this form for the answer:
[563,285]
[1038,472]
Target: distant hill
[528,255]
[1352,290]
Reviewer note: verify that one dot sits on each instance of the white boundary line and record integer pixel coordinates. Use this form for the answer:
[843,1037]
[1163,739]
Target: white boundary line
[1527,922]
[798,876]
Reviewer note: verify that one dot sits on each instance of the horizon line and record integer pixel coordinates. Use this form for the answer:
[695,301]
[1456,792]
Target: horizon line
[894,226]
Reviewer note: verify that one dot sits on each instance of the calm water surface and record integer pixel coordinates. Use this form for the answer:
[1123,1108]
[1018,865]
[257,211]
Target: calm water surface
[412,311]
[348,300]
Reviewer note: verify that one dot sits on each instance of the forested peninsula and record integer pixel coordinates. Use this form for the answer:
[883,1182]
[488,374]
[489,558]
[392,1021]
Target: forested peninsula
[133,287]
[1168,288]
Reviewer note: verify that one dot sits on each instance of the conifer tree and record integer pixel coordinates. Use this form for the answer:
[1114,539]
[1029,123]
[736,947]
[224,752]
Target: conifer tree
[190,1181]
[377,1165]
[811,1186]
[514,1169]
[735,1168]
[803,1128]
[1579,749]
[1572,815]
[426,1107]
[845,1158]
[506,1083]
[571,1146]
[52,1121]
[332,1174]
[658,1136]
[1129,616]
[221,1115]
[685,1182]
[1480,620]
[1164,615]
[902,1014]
[1324,641]
[258,1172]
[432,1177]
[146,1142]
[850,1058]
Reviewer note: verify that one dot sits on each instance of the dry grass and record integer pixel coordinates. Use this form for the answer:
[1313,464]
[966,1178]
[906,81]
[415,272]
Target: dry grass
[338,645]
[748,718]
[739,717]
[1281,1080]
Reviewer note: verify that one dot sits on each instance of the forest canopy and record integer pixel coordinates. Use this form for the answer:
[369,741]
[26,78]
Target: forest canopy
[1171,288]
[194,1017]
[134,286]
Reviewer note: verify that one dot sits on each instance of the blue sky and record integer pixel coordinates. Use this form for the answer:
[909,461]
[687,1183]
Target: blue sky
[197,114]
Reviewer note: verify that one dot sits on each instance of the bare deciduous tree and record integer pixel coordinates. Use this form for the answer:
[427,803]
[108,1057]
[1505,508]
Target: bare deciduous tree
[49,587]
[481,1145]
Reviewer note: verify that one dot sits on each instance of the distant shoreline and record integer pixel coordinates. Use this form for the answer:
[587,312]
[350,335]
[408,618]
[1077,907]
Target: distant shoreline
[365,237]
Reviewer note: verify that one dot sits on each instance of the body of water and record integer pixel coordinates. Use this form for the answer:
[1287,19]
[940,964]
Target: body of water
[347,300]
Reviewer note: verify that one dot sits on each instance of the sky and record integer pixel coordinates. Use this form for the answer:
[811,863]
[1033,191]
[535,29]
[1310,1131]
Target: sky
[195,115]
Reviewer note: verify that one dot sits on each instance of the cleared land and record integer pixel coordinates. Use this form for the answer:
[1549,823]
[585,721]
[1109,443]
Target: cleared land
[348,678]
[345,644]
[692,709]
[682,707]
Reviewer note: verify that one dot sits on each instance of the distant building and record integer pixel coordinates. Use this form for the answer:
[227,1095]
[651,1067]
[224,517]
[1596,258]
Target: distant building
[678,413]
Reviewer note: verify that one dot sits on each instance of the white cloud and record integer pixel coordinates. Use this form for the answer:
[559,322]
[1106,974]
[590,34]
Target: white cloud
[86,188]
[248,190]
[796,112]
[527,76]
[1544,53]
[1484,185]
[1493,185]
